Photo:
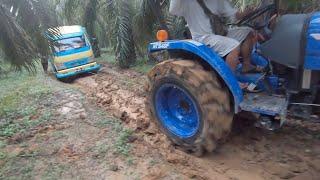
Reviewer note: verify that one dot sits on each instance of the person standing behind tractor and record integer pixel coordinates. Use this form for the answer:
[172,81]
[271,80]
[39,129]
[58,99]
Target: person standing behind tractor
[205,19]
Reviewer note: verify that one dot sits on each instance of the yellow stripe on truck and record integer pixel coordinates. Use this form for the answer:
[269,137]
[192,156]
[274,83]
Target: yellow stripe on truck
[71,57]
[77,68]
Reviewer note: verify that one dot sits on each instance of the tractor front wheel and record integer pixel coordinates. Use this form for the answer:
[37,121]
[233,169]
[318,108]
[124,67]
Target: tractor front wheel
[189,104]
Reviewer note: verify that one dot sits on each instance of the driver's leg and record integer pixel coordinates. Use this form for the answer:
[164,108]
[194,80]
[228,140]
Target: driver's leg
[245,36]
[246,50]
[224,47]
[232,59]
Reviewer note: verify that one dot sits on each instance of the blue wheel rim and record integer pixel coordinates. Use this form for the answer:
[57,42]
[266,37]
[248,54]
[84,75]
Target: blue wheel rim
[177,110]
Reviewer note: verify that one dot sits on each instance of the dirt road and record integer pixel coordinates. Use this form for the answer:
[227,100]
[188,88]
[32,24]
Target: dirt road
[250,153]
[97,128]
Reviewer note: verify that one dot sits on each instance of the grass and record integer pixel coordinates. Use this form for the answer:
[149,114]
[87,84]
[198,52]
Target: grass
[25,104]
[29,118]
[21,109]
[108,121]
[4,67]
[117,144]
[18,169]
[3,144]
[3,155]
[107,57]
[20,94]
[153,162]
[142,65]
[54,171]
[122,146]
[17,88]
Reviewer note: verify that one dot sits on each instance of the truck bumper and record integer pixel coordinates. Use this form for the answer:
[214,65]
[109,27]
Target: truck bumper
[78,70]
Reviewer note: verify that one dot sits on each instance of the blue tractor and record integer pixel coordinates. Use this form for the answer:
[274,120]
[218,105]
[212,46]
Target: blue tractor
[194,96]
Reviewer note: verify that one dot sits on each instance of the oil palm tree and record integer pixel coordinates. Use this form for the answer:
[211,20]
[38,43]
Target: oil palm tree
[129,25]
[21,25]
[114,18]
[23,21]
[120,15]
[126,25]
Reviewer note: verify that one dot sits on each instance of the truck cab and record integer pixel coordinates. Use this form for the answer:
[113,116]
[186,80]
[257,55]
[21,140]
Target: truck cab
[71,51]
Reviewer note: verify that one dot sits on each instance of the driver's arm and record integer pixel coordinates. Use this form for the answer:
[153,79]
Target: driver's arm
[176,7]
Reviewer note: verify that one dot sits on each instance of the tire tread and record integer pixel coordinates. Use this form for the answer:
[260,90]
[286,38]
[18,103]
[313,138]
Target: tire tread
[212,97]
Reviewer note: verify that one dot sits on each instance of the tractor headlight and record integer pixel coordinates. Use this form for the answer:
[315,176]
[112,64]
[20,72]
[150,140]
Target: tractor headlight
[162,35]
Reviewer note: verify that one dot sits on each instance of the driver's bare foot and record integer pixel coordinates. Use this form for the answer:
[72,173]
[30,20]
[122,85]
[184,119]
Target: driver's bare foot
[243,85]
[252,69]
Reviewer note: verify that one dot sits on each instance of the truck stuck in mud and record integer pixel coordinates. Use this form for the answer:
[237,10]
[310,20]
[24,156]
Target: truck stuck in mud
[71,52]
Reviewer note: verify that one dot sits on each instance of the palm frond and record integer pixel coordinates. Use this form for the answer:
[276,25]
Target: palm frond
[22,36]
[16,43]
[125,48]
[72,9]
[145,23]
[177,27]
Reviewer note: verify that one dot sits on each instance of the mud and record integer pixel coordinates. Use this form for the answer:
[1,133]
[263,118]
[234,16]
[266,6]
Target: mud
[290,153]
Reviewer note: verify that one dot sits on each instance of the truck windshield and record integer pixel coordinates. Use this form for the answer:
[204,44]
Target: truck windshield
[69,44]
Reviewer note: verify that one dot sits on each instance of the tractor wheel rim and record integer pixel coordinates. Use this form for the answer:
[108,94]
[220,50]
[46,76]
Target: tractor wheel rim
[177,110]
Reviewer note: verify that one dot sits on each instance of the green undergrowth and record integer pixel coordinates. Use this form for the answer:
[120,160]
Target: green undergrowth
[24,106]
[17,88]
[121,145]
[20,95]
[108,57]
[142,65]
[27,103]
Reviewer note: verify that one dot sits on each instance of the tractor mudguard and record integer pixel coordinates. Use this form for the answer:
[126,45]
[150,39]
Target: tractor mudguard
[206,54]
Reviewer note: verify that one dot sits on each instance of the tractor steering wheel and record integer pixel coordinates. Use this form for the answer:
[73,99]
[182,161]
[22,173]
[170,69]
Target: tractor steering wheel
[248,19]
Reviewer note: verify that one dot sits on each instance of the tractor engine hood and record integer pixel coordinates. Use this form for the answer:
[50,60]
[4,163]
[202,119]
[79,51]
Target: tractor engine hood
[312,54]
[287,43]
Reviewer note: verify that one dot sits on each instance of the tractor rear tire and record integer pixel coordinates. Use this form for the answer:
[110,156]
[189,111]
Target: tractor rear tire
[212,99]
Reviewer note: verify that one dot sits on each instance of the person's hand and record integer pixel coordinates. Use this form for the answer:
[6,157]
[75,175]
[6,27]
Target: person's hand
[258,37]
[273,19]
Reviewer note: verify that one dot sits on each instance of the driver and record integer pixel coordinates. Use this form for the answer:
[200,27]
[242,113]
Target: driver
[237,41]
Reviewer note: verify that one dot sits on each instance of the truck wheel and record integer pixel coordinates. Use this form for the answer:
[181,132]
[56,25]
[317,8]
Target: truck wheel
[189,104]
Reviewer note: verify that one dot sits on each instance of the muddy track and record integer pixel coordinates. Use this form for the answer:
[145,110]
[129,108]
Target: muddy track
[250,153]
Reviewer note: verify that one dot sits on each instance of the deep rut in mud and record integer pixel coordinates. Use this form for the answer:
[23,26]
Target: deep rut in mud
[250,153]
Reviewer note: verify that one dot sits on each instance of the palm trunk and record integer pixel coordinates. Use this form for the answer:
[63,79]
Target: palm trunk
[155,6]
